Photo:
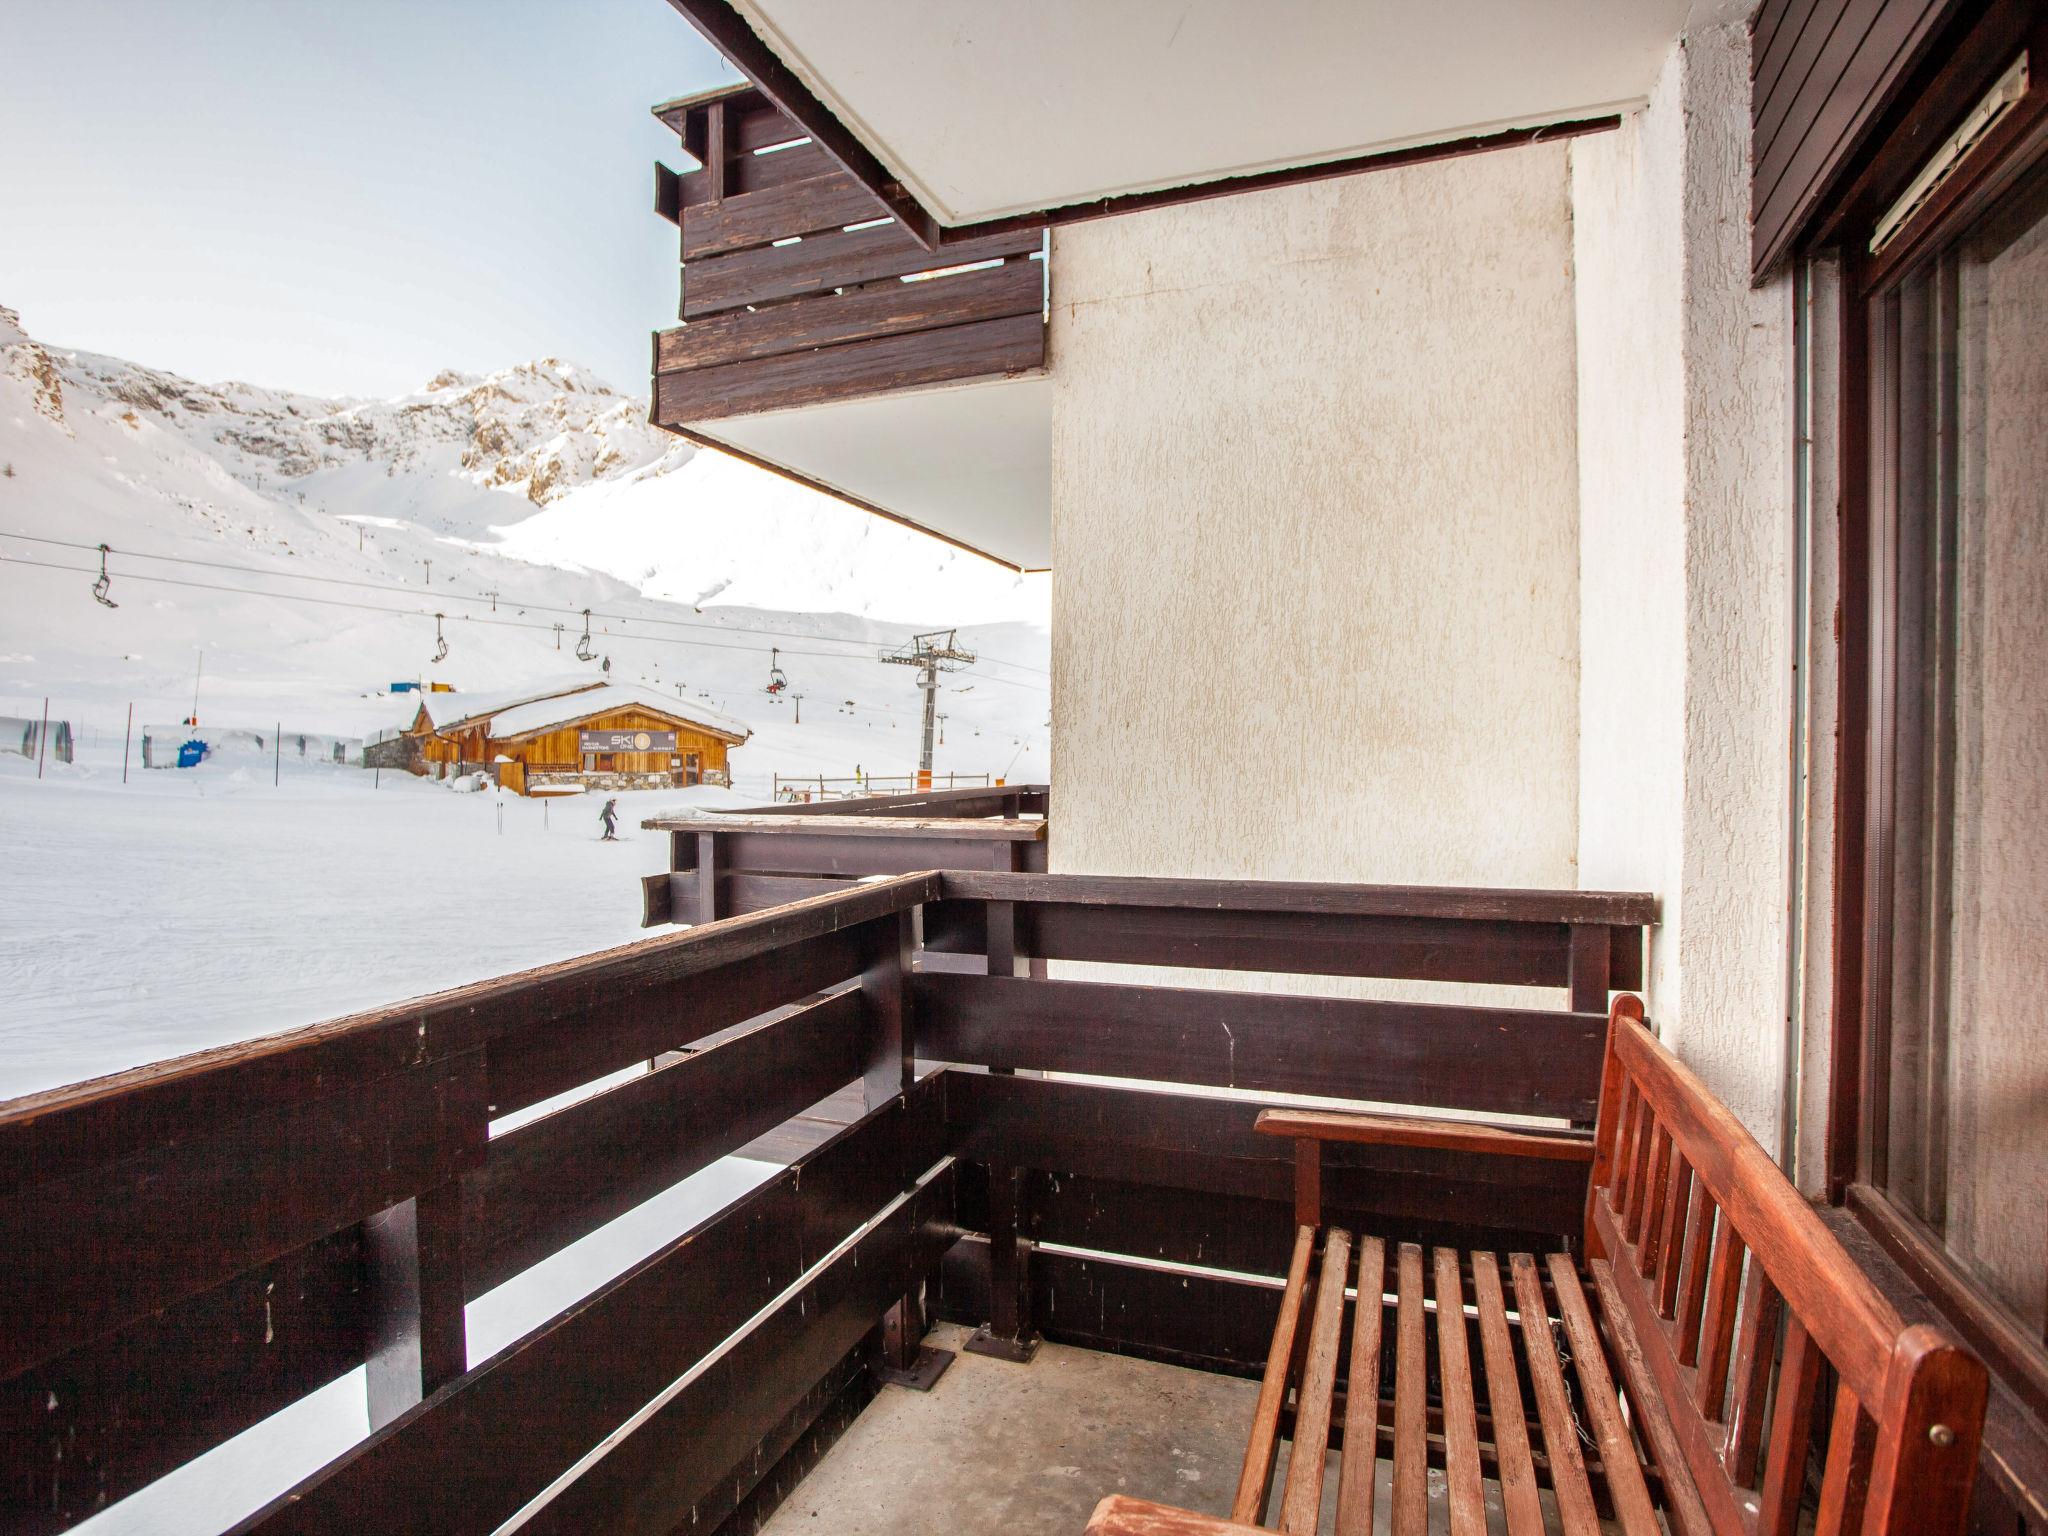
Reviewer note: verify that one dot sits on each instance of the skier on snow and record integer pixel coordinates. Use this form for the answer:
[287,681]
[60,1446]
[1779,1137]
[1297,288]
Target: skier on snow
[610,817]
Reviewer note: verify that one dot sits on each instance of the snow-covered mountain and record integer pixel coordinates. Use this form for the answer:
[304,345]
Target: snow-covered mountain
[306,545]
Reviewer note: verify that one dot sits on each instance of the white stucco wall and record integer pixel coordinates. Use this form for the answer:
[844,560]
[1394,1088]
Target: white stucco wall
[1314,508]
[1686,484]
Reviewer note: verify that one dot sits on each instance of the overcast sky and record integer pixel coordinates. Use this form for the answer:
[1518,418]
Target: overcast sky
[341,196]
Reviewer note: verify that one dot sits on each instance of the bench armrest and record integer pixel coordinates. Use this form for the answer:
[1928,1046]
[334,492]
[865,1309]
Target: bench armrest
[1321,1125]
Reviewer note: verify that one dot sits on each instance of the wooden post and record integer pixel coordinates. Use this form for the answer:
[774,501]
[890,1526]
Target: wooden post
[884,989]
[418,1342]
[1592,951]
[1009,1333]
[1588,977]
[890,1072]
[705,908]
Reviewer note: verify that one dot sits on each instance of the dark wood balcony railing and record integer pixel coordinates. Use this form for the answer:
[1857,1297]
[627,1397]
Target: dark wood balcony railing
[792,287]
[189,1247]
[744,861]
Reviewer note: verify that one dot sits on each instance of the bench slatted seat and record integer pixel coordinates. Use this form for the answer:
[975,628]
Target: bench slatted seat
[1665,1376]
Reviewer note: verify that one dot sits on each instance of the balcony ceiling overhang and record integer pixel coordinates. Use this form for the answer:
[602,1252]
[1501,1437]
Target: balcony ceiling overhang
[987,111]
[971,463]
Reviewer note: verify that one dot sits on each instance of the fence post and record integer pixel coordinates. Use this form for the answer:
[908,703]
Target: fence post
[127,736]
[418,1341]
[1008,1334]
[277,756]
[43,737]
[891,1071]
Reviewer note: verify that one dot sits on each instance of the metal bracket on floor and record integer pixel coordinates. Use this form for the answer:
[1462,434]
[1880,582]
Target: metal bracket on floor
[922,1374]
[994,1345]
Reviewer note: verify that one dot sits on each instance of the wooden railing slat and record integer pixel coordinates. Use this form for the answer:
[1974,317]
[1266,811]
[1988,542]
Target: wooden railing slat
[1670,1258]
[1717,1332]
[1501,1060]
[615,1031]
[1845,1480]
[1756,1347]
[1202,1142]
[1791,1429]
[548,1183]
[1692,1288]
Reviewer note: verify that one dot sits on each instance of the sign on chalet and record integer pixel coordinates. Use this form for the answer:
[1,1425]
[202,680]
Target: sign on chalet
[585,736]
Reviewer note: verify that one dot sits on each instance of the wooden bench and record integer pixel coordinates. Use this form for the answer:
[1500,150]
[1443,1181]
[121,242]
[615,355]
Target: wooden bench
[1675,1372]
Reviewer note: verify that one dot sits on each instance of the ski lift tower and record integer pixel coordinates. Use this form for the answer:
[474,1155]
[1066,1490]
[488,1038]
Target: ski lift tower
[931,654]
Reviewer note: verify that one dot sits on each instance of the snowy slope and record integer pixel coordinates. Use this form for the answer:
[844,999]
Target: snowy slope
[538,483]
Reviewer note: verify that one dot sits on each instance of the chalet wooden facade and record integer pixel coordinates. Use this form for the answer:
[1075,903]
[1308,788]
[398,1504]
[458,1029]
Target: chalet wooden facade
[598,736]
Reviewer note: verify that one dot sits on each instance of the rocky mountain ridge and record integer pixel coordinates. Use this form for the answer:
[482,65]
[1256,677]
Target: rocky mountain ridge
[539,429]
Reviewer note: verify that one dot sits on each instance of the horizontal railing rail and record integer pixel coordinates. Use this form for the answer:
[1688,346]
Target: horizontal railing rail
[981,800]
[192,1246]
[743,861]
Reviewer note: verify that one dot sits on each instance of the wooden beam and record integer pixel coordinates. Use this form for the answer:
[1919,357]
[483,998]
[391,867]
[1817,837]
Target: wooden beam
[839,258]
[853,370]
[1521,1061]
[548,1183]
[801,207]
[1017,287]
[1199,1143]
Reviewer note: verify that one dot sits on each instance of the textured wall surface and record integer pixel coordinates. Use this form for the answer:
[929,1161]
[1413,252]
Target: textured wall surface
[1686,474]
[1315,531]
[1627,227]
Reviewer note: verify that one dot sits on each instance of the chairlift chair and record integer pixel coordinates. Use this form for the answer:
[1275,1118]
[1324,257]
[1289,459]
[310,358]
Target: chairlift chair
[776,681]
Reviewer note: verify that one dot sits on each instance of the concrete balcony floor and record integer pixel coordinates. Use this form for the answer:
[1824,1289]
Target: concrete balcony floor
[996,1447]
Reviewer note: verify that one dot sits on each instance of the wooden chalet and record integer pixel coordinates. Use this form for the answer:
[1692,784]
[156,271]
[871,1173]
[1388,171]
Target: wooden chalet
[588,736]
[1586,1079]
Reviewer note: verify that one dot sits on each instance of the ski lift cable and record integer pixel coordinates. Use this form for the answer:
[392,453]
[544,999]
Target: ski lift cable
[468,618]
[374,608]
[385,586]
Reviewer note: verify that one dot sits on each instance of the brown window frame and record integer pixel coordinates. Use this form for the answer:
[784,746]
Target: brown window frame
[1869,739]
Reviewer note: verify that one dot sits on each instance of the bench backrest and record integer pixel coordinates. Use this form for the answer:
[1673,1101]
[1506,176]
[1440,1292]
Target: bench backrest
[1702,1250]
